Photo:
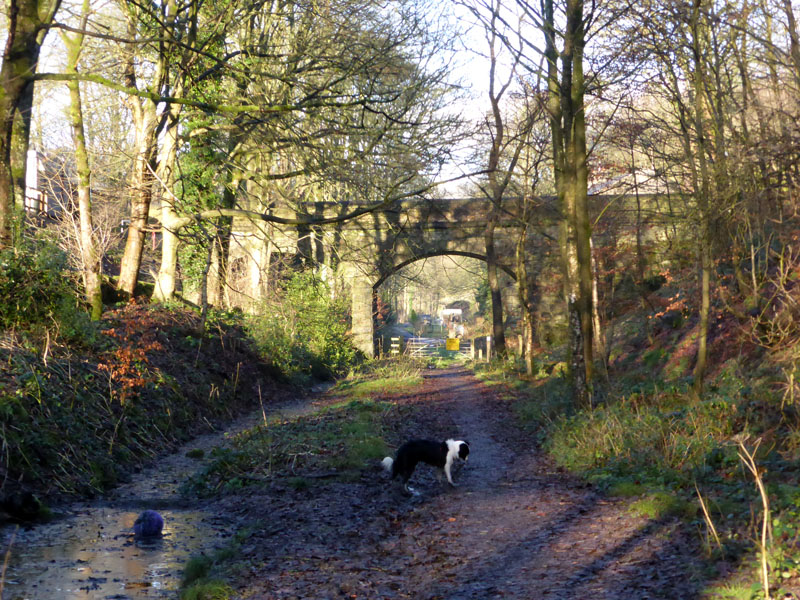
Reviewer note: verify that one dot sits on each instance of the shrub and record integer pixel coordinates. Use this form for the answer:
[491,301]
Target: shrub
[35,294]
[303,331]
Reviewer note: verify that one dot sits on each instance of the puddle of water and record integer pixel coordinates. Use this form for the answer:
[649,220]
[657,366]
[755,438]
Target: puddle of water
[92,554]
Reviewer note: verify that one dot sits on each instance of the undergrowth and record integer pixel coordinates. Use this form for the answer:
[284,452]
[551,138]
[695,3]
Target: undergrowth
[82,403]
[38,297]
[303,331]
[339,440]
[661,448]
[73,423]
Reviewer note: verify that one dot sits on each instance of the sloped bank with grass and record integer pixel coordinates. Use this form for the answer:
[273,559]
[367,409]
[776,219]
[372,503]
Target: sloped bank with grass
[83,403]
[675,456]
[77,418]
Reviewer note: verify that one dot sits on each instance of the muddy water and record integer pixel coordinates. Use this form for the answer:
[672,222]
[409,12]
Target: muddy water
[88,551]
[91,553]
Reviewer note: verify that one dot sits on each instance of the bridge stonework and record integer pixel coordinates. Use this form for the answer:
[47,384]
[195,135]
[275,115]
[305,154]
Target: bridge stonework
[375,246]
[363,252]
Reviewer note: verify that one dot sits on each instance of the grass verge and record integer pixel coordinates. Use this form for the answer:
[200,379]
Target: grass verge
[381,377]
[204,575]
[654,443]
[337,441]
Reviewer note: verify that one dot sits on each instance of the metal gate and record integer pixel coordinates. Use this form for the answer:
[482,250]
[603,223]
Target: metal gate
[423,346]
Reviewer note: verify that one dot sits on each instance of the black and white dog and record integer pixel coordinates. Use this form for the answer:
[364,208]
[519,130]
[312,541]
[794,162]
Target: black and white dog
[436,454]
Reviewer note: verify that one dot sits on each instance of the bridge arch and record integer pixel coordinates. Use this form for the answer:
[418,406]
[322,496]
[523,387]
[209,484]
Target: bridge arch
[401,264]
[365,251]
[364,285]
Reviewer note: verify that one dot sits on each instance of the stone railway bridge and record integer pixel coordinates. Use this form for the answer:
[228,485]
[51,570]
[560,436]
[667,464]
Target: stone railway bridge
[366,250]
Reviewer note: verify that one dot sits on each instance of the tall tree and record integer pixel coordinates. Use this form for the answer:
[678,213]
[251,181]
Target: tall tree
[90,258]
[699,31]
[181,47]
[694,75]
[28,23]
[145,119]
[566,87]
[508,127]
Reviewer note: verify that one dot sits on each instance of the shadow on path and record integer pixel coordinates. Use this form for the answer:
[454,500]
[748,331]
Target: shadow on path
[514,528]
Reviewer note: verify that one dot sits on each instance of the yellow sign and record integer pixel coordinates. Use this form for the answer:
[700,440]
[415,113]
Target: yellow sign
[453,344]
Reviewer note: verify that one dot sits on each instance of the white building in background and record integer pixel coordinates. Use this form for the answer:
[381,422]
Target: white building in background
[47,184]
[35,199]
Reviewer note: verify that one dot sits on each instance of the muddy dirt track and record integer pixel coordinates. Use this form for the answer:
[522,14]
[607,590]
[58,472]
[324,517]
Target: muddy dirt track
[513,528]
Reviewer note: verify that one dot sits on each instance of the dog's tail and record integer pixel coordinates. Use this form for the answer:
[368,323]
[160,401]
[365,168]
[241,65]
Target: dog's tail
[387,463]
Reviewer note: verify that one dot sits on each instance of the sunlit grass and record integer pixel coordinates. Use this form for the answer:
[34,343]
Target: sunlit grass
[650,441]
[381,386]
[340,439]
[737,591]
[210,590]
[657,505]
[381,377]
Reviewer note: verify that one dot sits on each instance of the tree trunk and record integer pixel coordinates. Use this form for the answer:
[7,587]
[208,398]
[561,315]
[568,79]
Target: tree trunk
[705,307]
[28,21]
[597,328]
[576,366]
[703,197]
[641,262]
[498,326]
[215,274]
[496,190]
[141,183]
[525,290]
[568,126]
[19,150]
[164,290]
[89,251]
[576,154]
[141,195]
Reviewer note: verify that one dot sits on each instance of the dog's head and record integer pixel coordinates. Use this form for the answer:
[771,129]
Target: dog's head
[457,449]
[463,449]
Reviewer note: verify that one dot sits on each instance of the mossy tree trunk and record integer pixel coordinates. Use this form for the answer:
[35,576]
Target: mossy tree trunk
[28,22]
[145,121]
[565,105]
[90,255]
[698,33]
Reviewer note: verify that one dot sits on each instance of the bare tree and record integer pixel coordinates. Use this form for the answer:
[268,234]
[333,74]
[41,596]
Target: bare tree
[90,256]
